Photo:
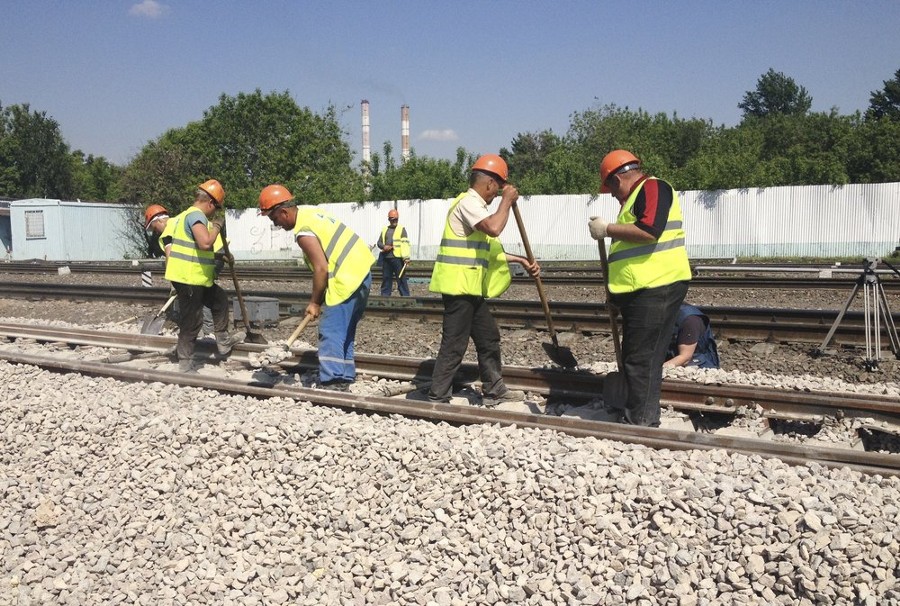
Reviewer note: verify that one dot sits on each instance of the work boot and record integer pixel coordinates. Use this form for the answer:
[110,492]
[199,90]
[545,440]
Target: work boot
[510,395]
[225,342]
[187,367]
[336,385]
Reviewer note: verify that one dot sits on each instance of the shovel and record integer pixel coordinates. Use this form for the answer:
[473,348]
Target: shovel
[615,389]
[274,354]
[558,353]
[153,324]
[252,337]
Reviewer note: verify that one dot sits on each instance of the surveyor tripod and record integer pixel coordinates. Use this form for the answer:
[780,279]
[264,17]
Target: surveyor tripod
[875,310]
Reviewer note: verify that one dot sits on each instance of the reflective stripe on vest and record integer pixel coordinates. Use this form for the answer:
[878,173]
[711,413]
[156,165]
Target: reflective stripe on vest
[637,265]
[188,264]
[349,259]
[471,265]
[400,242]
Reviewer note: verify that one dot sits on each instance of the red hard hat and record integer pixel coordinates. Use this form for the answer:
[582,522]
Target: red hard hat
[612,162]
[153,211]
[492,163]
[214,189]
[272,196]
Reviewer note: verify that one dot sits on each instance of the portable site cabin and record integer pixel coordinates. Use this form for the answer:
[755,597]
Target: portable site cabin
[57,230]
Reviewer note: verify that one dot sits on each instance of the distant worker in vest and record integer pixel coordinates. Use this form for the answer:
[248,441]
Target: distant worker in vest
[693,342]
[191,268]
[648,275]
[341,263]
[394,246]
[471,267]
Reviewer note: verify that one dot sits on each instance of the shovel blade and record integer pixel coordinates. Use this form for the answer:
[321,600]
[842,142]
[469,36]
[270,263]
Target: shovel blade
[255,337]
[560,355]
[153,325]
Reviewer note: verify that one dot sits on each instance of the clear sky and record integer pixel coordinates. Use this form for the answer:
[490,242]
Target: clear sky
[116,74]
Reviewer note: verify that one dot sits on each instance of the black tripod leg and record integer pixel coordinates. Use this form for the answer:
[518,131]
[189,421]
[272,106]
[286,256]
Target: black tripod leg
[840,316]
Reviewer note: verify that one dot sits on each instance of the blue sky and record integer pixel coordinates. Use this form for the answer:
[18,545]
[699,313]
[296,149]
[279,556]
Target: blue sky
[117,74]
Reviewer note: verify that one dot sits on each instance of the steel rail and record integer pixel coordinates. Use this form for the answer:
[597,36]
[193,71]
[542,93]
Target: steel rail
[739,323]
[865,462]
[553,383]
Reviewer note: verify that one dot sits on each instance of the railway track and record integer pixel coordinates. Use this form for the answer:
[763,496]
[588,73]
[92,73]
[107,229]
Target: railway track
[131,357]
[583,274]
[736,323]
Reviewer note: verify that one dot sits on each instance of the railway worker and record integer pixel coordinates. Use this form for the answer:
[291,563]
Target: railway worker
[341,263]
[693,343]
[191,268]
[394,246]
[648,275]
[471,267]
[156,219]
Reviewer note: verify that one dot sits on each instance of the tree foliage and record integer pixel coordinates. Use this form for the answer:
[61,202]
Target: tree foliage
[34,158]
[417,178]
[247,142]
[775,93]
[885,103]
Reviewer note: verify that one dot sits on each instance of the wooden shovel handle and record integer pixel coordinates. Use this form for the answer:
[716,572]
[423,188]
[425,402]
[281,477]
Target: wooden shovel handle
[296,333]
[237,287]
[537,279]
[613,310]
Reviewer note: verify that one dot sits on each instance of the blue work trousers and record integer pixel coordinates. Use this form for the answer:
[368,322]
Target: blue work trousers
[337,334]
[390,268]
[648,318]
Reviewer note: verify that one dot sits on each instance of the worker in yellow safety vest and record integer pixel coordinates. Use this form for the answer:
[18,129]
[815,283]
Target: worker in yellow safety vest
[471,266]
[394,246]
[191,268]
[341,263]
[648,275]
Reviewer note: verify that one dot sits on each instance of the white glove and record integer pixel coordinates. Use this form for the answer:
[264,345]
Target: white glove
[597,227]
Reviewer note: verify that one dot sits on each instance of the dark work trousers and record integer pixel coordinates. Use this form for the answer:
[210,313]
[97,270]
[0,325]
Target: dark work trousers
[467,316]
[390,267]
[648,318]
[191,301]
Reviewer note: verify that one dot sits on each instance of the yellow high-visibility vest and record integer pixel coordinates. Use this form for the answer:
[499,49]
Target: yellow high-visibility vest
[187,263]
[471,265]
[637,265]
[349,258]
[401,241]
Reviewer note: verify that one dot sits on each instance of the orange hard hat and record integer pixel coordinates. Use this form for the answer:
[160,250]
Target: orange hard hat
[612,162]
[494,164]
[273,196]
[214,189]
[152,212]
[393,214]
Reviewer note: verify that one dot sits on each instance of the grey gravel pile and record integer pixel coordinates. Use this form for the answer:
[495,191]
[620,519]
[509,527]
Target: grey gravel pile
[154,494]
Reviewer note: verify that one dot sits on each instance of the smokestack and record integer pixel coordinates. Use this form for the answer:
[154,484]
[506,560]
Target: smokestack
[404,132]
[366,149]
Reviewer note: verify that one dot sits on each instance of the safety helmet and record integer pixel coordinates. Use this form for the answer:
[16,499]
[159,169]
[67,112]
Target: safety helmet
[612,162]
[494,164]
[273,196]
[153,211]
[393,214]
[214,189]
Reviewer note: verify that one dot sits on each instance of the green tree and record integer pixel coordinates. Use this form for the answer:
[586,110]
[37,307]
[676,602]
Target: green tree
[34,158]
[247,142]
[885,103]
[419,178]
[528,153]
[95,178]
[775,93]
[873,155]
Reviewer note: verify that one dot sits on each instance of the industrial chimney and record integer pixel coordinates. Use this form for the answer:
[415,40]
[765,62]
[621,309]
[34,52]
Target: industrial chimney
[404,132]
[366,149]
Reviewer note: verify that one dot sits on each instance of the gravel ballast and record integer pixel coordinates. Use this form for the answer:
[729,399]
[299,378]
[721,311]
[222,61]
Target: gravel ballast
[154,494]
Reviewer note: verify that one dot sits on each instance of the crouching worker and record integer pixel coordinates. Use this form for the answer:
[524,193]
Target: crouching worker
[191,270]
[341,264]
[693,343]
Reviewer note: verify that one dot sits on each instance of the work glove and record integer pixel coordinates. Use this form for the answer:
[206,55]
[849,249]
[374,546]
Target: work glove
[597,226]
[219,222]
